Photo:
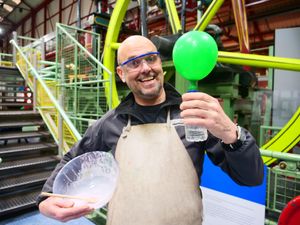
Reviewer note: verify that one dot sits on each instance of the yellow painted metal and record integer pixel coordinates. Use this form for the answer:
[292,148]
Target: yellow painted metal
[44,103]
[286,138]
[209,14]
[173,16]
[6,64]
[259,61]
[240,17]
[115,45]
[110,46]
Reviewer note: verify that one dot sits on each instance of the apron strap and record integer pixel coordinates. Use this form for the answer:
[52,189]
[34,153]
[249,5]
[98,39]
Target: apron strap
[168,118]
[127,128]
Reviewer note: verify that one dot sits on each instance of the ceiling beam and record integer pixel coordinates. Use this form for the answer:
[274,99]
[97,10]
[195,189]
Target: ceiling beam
[25,3]
[32,11]
[265,14]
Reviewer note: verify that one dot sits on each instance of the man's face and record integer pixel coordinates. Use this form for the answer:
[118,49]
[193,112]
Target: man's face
[141,69]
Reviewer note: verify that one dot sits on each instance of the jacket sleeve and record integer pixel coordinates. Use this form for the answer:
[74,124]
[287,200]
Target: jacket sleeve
[244,165]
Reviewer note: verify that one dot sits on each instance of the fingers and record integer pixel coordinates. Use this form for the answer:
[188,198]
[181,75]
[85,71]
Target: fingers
[63,203]
[197,95]
[203,108]
[67,214]
[63,209]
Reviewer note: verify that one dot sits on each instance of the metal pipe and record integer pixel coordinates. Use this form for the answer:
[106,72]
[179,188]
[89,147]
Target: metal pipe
[261,132]
[84,82]
[35,92]
[143,14]
[27,38]
[183,7]
[78,29]
[42,44]
[259,60]
[209,14]
[280,155]
[60,129]
[6,54]
[79,13]
[14,49]
[173,16]
[115,46]
[47,70]
[53,64]
[240,18]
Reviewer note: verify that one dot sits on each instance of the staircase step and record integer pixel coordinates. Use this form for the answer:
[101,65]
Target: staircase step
[15,97]
[20,201]
[10,71]
[21,123]
[21,182]
[41,161]
[18,113]
[25,148]
[10,85]
[15,91]
[15,104]
[12,79]
[19,135]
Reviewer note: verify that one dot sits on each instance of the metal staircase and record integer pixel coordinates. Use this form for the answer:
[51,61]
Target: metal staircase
[27,149]
[69,92]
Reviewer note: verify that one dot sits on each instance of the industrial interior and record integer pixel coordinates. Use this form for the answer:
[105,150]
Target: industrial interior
[58,76]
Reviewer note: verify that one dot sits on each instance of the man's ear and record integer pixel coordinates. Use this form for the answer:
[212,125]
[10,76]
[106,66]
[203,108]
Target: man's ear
[120,72]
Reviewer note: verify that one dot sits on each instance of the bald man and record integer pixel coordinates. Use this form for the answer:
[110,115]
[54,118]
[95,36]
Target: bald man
[160,171]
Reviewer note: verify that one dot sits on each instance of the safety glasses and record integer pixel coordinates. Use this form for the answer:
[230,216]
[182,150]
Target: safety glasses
[150,58]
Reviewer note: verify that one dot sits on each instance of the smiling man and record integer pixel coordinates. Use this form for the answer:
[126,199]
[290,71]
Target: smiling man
[140,67]
[160,171]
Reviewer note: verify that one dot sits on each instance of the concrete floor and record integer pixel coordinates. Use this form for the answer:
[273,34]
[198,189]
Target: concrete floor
[35,218]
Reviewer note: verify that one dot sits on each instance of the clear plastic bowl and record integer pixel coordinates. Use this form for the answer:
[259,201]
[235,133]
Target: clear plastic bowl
[92,175]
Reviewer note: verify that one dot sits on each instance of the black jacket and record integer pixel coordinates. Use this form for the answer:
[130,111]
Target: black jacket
[244,165]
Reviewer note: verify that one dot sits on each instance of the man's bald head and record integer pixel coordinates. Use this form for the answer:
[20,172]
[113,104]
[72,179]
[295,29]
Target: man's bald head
[133,43]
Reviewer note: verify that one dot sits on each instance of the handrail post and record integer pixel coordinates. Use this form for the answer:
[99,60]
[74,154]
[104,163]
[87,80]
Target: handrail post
[42,45]
[14,48]
[34,84]
[61,103]
[60,128]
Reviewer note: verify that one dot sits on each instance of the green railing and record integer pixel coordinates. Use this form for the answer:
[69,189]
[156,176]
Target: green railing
[283,183]
[69,65]
[44,100]
[87,94]
[65,75]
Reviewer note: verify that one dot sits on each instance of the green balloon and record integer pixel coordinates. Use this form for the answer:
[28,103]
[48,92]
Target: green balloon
[195,55]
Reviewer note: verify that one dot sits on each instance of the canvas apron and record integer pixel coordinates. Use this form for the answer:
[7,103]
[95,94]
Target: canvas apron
[158,183]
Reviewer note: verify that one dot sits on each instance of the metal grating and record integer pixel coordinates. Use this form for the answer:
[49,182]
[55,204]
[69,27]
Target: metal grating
[14,181]
[25,148]
[283,186]
[27,162]
[18,202]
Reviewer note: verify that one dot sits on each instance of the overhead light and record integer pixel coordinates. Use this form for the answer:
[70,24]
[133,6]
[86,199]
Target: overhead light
[7,7]
[1,30]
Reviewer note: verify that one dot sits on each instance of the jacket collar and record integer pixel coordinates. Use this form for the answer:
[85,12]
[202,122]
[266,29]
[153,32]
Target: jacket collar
[173,98]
